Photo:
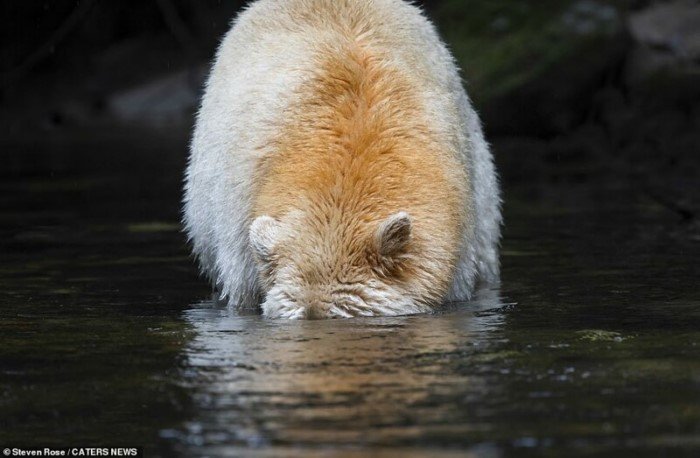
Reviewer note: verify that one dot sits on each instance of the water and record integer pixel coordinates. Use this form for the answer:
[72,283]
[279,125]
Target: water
[108,337]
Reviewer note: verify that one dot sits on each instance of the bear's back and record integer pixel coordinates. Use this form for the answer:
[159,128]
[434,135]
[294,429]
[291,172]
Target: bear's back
[265,119]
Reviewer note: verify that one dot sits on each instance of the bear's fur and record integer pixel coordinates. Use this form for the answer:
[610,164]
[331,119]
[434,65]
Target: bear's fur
[337,167]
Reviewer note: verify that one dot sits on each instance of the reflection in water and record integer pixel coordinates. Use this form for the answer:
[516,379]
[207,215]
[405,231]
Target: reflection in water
[601,355]
[343,382]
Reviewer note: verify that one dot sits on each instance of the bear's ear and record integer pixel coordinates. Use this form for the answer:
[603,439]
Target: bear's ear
[393,234]
[263,234]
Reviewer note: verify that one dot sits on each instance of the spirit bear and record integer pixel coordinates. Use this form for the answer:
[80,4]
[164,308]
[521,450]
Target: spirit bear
[337,167]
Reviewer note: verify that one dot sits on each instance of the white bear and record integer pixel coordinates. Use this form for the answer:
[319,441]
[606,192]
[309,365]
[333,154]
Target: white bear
[337,167]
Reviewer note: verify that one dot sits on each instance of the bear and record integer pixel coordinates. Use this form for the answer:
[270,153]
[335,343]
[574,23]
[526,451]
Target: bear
[337,167]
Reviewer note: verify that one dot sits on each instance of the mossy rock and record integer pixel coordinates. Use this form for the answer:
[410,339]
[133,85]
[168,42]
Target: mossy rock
[529,66]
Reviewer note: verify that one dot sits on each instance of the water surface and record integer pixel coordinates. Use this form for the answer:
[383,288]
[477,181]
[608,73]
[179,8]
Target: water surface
[107,336]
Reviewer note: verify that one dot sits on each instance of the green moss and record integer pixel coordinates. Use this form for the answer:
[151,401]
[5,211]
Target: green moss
[503,45]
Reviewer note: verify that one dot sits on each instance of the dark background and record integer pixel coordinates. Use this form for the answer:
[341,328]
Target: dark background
[585,86]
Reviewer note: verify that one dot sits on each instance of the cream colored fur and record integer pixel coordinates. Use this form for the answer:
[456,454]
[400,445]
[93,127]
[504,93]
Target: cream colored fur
[337,167]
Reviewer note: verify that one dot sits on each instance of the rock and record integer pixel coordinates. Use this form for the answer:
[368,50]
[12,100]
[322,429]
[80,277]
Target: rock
[667,38]
[531,67]
[674,27]
[591,18]
[168,100]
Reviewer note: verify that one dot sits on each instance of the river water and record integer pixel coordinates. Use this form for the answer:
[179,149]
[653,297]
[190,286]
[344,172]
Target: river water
[591,346]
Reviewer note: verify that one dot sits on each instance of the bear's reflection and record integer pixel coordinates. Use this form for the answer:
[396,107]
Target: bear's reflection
[334,380]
